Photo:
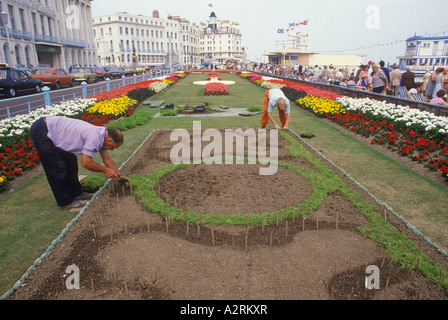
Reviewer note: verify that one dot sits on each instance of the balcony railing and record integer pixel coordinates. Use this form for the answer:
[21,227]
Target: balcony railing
[74,43]
[45,38]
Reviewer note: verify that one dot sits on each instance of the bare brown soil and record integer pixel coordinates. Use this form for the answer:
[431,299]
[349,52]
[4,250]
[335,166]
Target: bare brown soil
[125,252]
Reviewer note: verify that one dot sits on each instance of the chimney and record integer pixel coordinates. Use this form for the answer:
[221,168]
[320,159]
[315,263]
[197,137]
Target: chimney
[155,14]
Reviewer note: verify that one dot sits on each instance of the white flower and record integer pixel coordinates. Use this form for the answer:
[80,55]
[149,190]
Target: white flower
[396,113]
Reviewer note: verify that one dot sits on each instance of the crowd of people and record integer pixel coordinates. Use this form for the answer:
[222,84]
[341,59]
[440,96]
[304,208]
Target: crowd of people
[370,77]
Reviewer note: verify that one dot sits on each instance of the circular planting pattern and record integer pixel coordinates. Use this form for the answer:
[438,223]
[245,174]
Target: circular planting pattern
[222,231]
[224,194]
[229,189]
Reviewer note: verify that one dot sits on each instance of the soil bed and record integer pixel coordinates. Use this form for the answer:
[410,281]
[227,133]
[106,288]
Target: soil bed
[124,251]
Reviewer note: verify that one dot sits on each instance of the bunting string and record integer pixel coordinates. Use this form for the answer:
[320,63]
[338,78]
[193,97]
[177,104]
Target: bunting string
[292,25]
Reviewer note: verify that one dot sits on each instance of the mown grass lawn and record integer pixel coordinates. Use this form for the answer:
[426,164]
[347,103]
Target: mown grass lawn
[30,219]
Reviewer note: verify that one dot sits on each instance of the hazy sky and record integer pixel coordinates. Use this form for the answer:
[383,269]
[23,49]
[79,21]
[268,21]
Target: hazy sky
[376,28]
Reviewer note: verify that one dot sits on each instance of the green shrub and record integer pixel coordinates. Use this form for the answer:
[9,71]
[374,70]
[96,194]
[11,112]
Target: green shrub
[254,109]
[93,182]
[307,135]
[168,113]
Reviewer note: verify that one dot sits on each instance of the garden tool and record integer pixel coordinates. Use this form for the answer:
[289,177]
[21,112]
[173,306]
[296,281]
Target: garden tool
[124,181]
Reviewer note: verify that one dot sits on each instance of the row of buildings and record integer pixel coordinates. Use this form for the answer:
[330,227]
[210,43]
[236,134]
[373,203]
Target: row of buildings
[124,39]
[63,33]
[52,32]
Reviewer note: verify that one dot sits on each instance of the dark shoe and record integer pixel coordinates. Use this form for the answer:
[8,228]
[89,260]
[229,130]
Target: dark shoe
[84,196]
[264,127]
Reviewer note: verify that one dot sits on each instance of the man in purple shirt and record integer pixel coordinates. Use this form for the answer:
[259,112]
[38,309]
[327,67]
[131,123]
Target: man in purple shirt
[58,140]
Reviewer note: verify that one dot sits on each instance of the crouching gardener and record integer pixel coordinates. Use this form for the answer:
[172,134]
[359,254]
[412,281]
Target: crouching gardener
[272,98]
[58,140]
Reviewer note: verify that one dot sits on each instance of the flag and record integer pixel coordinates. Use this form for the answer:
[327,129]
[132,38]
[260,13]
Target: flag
[280,30]
[304,22]
[291,24]
[210,5]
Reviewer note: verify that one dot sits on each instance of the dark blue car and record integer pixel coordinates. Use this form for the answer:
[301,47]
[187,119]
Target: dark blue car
[14,81]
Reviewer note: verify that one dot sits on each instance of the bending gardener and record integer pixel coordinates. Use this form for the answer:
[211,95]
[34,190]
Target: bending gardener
[58,140]
[275,98]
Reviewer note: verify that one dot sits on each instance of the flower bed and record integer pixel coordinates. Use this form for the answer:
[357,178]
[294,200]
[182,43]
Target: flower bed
[159,86]
[322,107]
[16,159]
[216,89]
[102,112]
[419,135]
[16,128]
[187,72]
[213,75]
[270,83]
[17,151]
[108,107]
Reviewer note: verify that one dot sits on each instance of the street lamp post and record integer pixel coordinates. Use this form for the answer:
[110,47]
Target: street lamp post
[169,53]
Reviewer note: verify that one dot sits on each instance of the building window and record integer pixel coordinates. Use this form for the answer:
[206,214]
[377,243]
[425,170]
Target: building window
[11,16]
[42,24]
[33,18]
[22,19]
[27,56]
[18,58]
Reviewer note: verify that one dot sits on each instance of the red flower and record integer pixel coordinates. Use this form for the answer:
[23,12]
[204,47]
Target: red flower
[216,89]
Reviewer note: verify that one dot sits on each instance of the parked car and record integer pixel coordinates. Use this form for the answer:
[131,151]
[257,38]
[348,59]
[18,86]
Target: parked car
[14,81]
[140,69]
[116,72]
[101,73]
[84,74]
[129,71]
[54,77]
[28,69]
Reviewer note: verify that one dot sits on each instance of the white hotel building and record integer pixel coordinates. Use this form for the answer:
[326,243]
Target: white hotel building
[51,32]
[122,37]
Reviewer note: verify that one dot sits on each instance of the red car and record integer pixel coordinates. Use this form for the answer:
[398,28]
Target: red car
[102,73]
[53,77]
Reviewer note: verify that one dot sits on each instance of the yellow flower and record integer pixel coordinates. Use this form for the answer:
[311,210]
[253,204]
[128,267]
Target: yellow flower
[321,106]
[115,107]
